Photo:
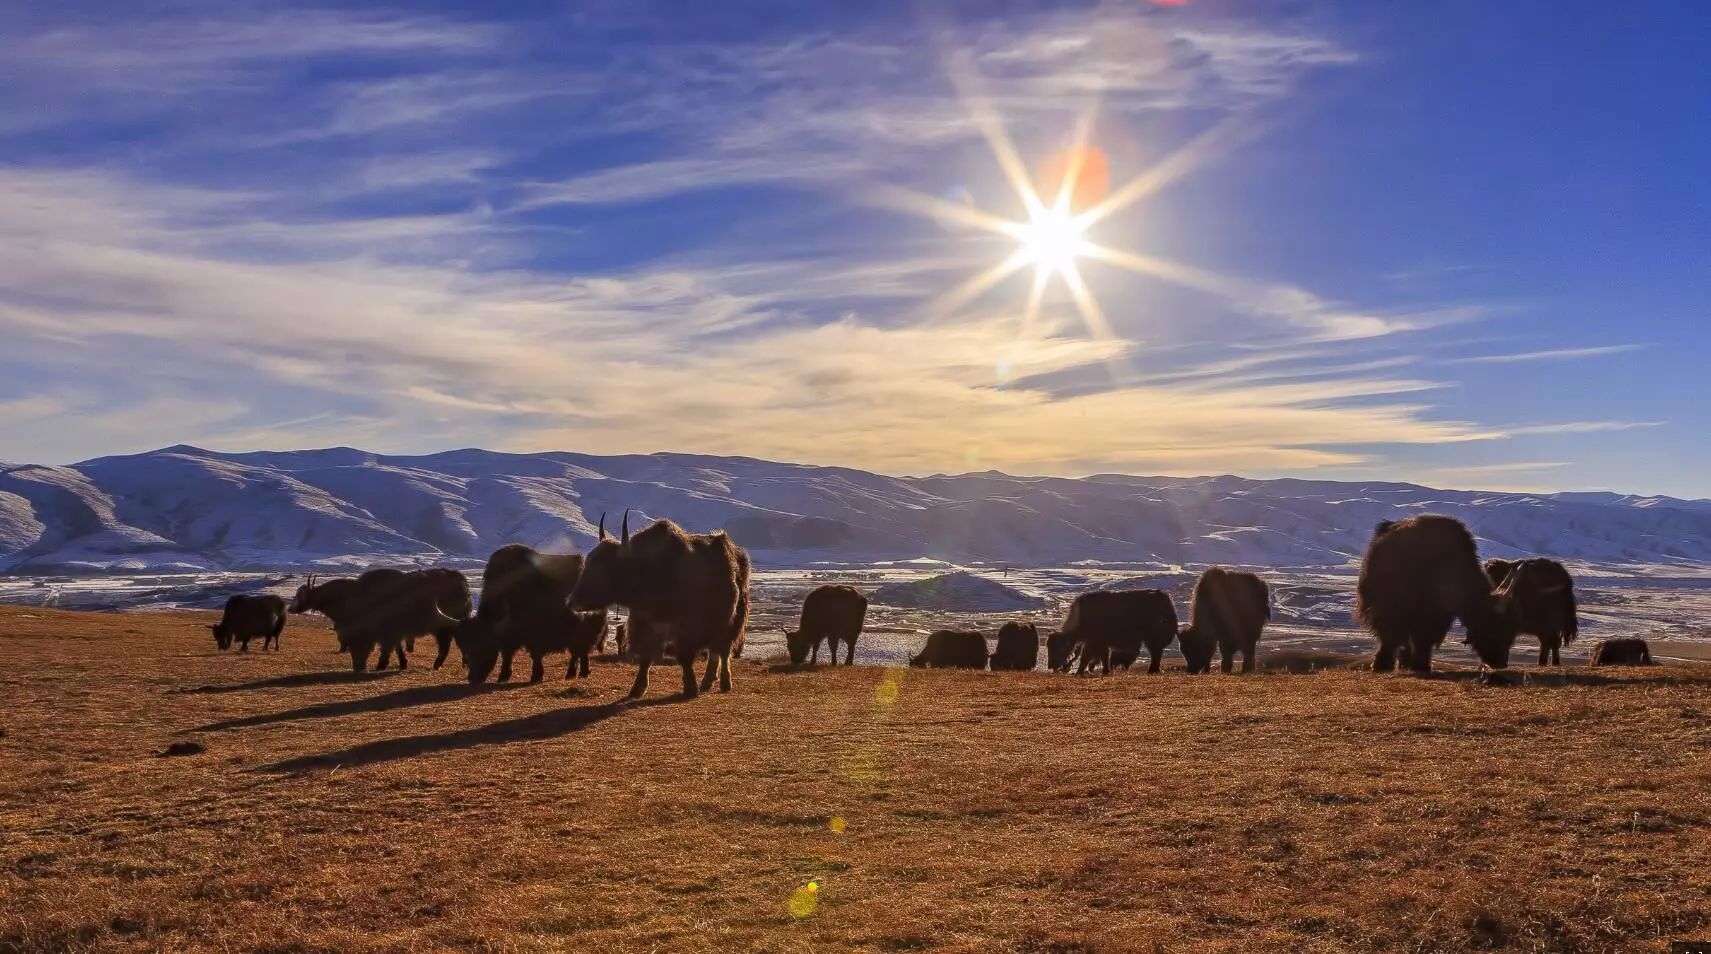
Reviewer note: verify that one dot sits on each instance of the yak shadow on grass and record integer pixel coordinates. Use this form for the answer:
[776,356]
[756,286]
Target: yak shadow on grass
[532,728]
[335,677]
[401,699]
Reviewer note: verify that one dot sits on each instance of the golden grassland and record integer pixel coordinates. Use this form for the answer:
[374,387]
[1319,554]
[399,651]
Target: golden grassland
[1334,811]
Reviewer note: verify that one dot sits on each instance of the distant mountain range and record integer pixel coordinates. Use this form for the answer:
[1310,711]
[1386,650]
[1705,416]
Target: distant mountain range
[184,508]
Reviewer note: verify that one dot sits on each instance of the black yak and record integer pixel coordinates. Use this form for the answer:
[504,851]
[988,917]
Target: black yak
[1230,610]
[523,603]
[330,598]
[1018,648]
[1419,576]
[1061,651]
[1539,595]
[540,629]
[690,589]
[830,614]
[1622,652]
[247,617]
[379,600]
[951,649]
[1198,646]
[1109,627]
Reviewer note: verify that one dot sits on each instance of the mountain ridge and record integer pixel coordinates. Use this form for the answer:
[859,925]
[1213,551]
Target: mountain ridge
[189,508]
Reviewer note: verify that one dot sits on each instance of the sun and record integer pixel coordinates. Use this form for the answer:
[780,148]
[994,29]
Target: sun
[1051,239]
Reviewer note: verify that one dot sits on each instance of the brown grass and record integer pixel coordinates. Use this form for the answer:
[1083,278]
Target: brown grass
[980,812]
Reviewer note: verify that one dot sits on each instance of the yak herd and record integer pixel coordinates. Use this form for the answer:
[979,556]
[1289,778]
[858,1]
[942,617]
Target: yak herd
[688,597]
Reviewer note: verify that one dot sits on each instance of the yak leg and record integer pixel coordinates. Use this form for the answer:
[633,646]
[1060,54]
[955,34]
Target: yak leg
[640,686]
[1544,653]
[1420,652]
[686,660]
[403,661]
[1385,661]
[505,664]
[445,648]
[1556,654]
[849,655]
[1155,658]
[410,643]
[1226,657]
[1249,652]
[725,671]
[538,670]
[584,660]
[814,660]
[1081,664]
[714,660]
[359,655]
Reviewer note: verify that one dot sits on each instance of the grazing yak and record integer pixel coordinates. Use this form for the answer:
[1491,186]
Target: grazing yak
[1539,593]
[951,649]
[1018,648]
[1230,610]
[1061,651]
[389,608]
[1622,652]
[1109,627]
[1419,576]
[354,603]
[831,614]
[247,617]
[690,589]
[524,597]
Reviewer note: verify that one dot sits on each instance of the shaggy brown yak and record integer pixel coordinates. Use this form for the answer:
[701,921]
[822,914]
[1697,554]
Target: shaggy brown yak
[523,603]
[348,604]
[1419,576]
[952,649]
[1230,610]
[247,617]
[1622,652]
[691,589]
[1110,625]
[1018,647]
[1540,594]
[830,614]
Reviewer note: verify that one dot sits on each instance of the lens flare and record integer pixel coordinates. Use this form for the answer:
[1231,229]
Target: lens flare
[804,900]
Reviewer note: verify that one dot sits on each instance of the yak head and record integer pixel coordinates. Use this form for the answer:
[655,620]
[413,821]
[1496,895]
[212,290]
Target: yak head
[1492,627]
[1060,651]
[304,600]
[607,576]
[799,644]
[477,640]
[1197,647]
[222,636]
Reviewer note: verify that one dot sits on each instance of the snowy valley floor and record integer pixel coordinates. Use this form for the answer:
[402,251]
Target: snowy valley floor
[1027,812]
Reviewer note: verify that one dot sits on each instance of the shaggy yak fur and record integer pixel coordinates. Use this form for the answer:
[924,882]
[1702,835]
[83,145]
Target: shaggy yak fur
[1230,610]
[523,604]
[1109,627]
[1018,647]
[690,589]
[1061,651]
[831,614]
[1540,594]
[389,608]
[1419,576]
[951,649]
[247,617]
[1622,652]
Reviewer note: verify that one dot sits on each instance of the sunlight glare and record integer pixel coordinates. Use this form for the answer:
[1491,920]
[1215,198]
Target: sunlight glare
[1052,239]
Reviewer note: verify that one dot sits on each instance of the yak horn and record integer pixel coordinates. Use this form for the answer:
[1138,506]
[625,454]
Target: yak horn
[626,537]
[602,534]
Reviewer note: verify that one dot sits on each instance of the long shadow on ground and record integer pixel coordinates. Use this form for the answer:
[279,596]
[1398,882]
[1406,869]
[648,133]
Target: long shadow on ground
[532,728]
[401,699]
[329,678]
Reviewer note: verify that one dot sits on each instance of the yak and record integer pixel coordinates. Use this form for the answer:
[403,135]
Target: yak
[523,603]
[389,608]
[1061,651]
[543,629]
[1419,575]
[247,617]
[1018,648]
[1539,593]
[1622,652]
[951,649]
[1109,627]
[1229,610]
[690,589]
[830,614]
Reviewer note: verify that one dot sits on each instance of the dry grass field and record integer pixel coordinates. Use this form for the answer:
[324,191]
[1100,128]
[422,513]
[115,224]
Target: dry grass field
[932,811]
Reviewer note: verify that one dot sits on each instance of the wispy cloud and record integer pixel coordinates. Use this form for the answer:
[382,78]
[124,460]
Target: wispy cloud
[1551,354]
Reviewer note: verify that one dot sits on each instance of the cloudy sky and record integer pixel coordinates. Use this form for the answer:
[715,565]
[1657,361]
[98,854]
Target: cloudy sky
[1462,243]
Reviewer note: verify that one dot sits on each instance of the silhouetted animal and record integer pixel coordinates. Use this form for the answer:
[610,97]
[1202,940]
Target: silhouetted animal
[1419,576]
[691,589]
[951,649]
[523,603]
[1539,594]
[1198,647]
[387,608]
[1110,626]
[1061,651]
[247,617]
[1230,608]
[1622,652]
[830,614]
[1018,648]
[540,629]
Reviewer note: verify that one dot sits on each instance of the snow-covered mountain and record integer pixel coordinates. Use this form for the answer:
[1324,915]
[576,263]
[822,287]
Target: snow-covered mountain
[187,508]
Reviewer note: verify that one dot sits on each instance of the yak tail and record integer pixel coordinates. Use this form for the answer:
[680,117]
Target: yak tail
[740,619]
[1573,628]
[1383,527]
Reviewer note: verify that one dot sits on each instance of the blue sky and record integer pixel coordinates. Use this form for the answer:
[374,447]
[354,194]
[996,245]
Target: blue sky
[1465,243]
